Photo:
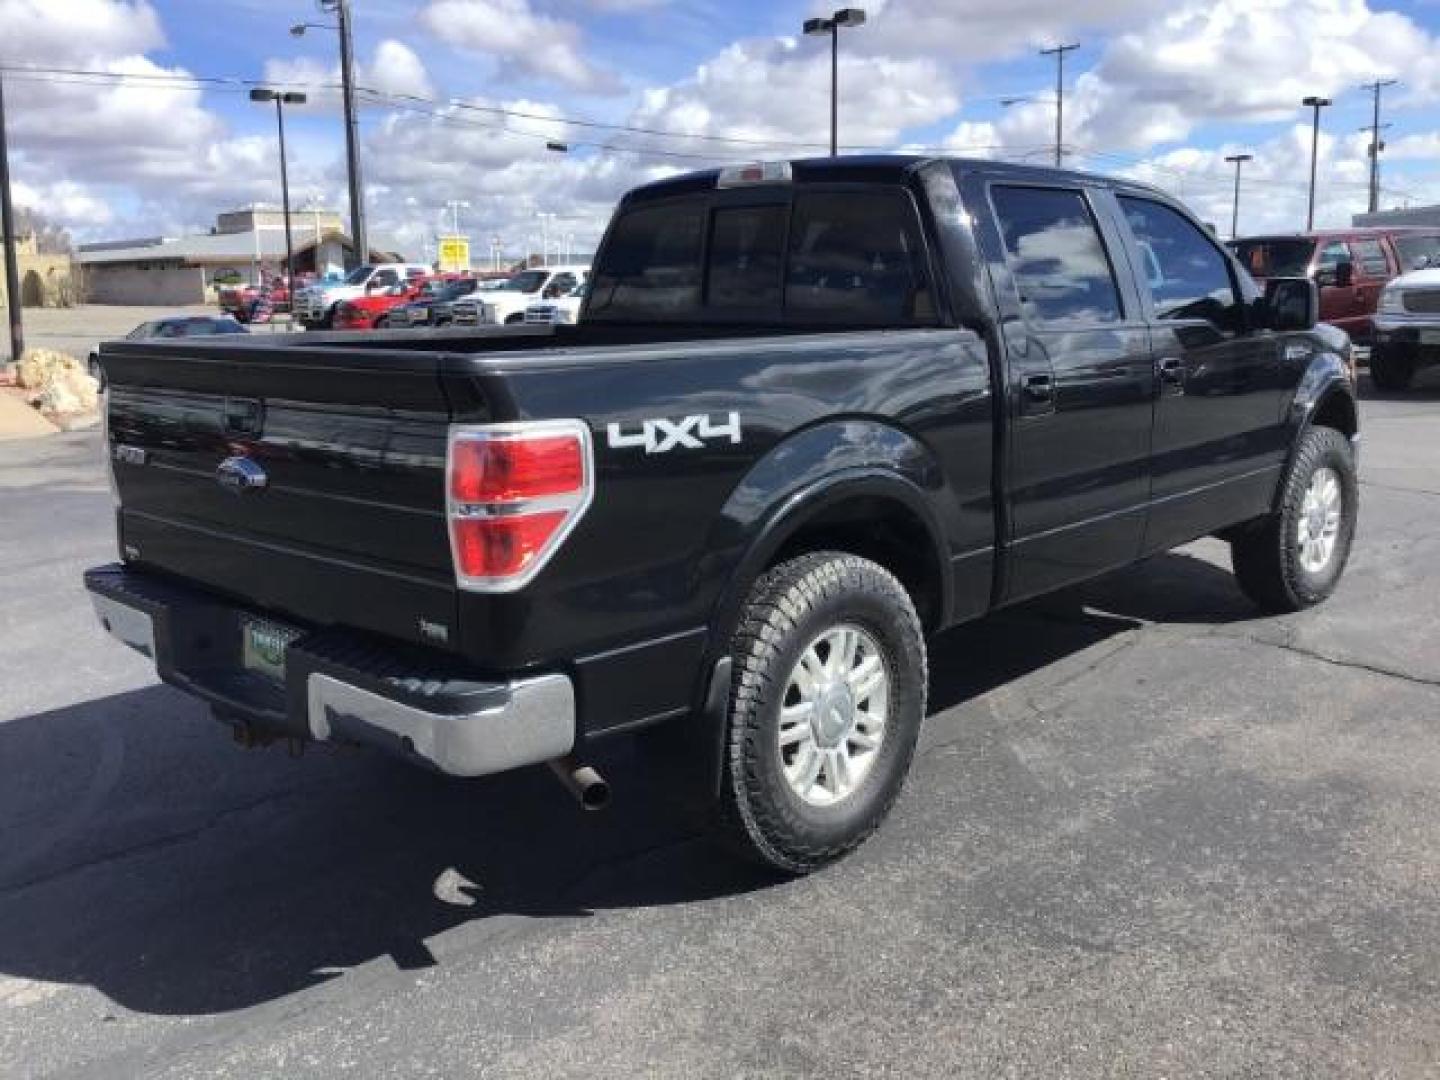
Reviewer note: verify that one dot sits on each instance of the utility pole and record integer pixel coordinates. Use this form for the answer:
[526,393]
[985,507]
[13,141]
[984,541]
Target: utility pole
[1059,52]
[1376,146]
[1237,160]
[13,299]
[1316,103]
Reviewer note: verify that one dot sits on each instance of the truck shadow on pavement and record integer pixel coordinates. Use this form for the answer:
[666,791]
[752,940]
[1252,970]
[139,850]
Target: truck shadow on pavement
[145,856]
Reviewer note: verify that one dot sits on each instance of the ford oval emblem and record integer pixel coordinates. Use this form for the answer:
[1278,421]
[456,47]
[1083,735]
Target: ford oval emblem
[241,474]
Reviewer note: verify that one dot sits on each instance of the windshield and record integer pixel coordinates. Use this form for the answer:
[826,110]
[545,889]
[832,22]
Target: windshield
[457,289]
[1418,252]
[359,275]
[527,282]
[1274,258]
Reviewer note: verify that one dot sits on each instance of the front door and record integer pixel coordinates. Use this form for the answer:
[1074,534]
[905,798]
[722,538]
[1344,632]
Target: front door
[1219,440]
[1341,302]
[1081,386]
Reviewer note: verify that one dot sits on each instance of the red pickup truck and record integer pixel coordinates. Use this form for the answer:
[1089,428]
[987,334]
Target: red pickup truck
[371,311]
[1350,266]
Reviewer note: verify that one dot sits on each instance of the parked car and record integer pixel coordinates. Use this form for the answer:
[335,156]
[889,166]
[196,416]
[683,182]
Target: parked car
[180,326]
[562,309]
[315,306]
[1351,266]
[814,412]
[436,309]
[506,303]
[373,311]
[1407,328]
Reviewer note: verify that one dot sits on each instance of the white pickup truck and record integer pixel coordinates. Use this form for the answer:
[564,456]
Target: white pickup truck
[1407,329]
[315,306]
[506,305]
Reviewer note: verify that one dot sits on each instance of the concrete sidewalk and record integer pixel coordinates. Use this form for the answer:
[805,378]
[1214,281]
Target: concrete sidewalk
[18,420]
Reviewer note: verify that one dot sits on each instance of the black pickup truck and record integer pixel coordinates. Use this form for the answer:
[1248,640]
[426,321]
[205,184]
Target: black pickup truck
[815,412]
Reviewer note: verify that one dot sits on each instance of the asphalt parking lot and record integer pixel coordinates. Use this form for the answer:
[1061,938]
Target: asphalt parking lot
[1149,834]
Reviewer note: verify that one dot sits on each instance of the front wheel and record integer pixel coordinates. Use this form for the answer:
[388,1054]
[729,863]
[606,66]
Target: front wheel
[1294,558]
[825,709]
[1391,367]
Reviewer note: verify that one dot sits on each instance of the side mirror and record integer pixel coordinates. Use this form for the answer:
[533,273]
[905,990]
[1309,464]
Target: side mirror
[1290,304]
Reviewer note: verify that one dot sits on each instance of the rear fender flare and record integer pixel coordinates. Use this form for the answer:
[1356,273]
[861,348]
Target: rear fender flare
[803,477]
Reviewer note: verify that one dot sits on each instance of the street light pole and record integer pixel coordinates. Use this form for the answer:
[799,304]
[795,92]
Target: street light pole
[1237,160]
[1315,103]
[13,299]
[1059,52]
[281,100]
[831,26]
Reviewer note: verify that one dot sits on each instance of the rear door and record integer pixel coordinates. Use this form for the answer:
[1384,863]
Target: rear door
[1218,439]
[1079,370]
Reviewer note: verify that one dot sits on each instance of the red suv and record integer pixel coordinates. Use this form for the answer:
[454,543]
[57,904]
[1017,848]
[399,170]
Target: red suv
[1351,266]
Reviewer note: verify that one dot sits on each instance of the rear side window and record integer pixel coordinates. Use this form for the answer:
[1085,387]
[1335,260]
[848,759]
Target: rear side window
[857,256]
[652,263]
[1056,257]
[747,255]
[1191,278]
[1370,258]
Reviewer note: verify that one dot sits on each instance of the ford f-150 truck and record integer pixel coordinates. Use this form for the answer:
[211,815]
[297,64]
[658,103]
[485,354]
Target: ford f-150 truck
[815,412]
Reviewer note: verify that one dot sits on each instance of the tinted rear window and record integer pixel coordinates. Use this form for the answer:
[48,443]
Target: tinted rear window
[857,257]
[1274,258]
[652,264]
[853,258]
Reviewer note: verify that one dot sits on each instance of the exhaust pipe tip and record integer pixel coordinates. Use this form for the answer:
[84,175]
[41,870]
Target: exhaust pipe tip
[584,784]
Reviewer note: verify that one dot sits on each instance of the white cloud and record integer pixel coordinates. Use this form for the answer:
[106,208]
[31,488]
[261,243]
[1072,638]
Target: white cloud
[777,92]
[394,68]
[524,42]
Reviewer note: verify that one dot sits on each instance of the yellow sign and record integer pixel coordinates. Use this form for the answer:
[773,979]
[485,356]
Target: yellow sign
[454,253]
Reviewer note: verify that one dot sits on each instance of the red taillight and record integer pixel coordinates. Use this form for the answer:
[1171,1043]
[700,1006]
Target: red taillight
[503,470]
[514,492]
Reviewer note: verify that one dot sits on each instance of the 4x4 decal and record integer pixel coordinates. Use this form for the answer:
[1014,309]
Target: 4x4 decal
[660,435]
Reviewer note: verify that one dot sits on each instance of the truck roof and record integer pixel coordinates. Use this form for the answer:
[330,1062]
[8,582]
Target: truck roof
[876,169]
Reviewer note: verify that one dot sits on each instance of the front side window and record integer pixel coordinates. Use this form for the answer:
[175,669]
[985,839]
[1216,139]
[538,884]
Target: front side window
[1056,256]
[857,256]
[1370,258]
[652,263]
[1191,279]
[359,275]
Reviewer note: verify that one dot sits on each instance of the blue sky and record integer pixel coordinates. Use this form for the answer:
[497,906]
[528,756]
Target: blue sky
[1162,89]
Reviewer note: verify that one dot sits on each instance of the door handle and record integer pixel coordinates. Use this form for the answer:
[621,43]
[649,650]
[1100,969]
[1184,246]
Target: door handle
[1172,371]
[1040,388]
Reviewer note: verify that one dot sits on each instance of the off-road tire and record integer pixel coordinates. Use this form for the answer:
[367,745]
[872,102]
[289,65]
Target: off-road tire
[1391,368]
[759,815]
[1266,556]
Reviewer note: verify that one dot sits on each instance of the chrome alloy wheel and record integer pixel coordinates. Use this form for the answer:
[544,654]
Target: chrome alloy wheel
[832,718]
[1318,523]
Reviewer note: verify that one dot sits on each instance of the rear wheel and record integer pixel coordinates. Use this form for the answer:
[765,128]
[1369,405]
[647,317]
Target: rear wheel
[1294,558]
[1392,367]
[825,709]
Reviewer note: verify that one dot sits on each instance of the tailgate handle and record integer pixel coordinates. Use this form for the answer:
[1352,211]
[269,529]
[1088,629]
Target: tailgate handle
[244,417]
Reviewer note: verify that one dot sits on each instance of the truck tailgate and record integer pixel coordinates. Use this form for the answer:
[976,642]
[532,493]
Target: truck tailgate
[348,527]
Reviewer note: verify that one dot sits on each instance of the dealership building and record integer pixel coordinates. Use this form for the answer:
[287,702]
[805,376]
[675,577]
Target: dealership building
[244,246]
